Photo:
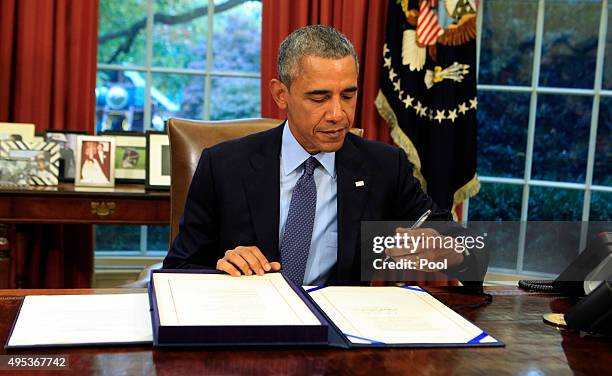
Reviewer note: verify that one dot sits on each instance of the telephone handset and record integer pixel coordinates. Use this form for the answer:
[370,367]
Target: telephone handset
[584,274]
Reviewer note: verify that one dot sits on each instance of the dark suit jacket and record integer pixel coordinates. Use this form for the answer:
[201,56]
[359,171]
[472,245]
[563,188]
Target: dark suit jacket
[234,201]
[104,165]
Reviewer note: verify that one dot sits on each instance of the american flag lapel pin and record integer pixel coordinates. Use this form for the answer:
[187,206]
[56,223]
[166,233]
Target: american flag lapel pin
[359,183]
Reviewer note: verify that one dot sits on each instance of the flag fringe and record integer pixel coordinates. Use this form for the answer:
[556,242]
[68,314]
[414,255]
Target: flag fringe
[470,189]
[399,137]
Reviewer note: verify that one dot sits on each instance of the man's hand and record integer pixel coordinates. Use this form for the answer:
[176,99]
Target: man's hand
[429,246]
[247,261]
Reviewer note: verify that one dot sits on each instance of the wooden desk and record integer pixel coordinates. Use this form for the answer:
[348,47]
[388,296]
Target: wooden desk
[59,219]
[514,317]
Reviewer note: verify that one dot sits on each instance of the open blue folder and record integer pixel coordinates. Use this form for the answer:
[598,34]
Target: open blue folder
[406,316]
[359,325]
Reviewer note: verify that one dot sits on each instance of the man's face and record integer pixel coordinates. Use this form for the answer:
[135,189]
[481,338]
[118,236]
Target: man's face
[321,103]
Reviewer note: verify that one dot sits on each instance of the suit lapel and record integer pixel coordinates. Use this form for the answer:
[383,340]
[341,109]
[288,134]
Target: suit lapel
[262,187]
[353,185]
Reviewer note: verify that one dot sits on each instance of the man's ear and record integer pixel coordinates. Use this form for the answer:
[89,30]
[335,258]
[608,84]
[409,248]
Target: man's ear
[279,93]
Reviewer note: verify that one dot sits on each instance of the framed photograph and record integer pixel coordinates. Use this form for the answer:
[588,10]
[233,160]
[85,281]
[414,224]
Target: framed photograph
[130,156]
[67,140]
[43,158]
[17,132]
[95,161]
[158,161]
[14,172]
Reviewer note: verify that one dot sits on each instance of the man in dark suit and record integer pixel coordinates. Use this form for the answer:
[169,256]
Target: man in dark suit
[102,156]
[293,198]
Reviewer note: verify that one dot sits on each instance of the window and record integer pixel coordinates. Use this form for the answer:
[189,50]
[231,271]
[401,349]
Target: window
[182,58]
[544,124]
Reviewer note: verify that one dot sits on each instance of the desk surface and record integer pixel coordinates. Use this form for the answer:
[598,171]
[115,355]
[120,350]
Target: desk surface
[514,317]
[123,204]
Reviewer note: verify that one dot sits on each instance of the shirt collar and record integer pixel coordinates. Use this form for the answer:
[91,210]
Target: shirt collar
[293,155]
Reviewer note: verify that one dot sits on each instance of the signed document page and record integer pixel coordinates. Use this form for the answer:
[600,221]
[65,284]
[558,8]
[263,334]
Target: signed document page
[220,299]
[46,320]
[395,315]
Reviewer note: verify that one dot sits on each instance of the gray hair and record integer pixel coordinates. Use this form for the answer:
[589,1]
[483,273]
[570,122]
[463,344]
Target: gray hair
[312,40]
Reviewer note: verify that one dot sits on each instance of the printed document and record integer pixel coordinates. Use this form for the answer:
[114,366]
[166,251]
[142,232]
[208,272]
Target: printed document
[220,299]
[394,315]
[82,319]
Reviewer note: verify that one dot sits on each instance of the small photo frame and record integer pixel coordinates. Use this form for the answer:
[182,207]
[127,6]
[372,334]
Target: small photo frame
[17,132]
[130,156]
[14,172]
[158,160]
[43,159]
[67,141]
[95,161]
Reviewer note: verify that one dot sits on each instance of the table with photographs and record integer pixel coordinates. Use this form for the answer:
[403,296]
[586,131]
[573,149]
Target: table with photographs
[59,220]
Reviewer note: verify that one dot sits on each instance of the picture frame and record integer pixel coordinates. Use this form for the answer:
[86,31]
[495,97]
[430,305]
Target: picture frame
[158,161]
[68,145]
[130,156]
[17,132]
[43,159]
[14,172]
[95,161]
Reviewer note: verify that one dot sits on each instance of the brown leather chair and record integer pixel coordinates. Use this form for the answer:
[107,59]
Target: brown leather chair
[187,140]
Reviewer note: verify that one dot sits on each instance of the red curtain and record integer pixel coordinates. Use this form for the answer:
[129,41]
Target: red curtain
[48,63]
[48,51]
[362,21]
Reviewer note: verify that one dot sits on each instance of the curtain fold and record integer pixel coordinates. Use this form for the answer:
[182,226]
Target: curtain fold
[48,55]
[362,21]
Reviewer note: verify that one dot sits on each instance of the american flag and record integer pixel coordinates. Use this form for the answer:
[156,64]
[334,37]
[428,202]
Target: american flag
[428,29]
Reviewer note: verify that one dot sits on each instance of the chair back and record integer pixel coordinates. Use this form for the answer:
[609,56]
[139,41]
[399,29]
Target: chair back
[187,140]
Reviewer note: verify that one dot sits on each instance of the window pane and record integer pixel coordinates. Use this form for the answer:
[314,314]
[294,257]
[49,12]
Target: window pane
[237,38]
[508,37]
[119,100]
[496,202]
[179,95]
[502,244]
[180,34]
[562,138]
[601,206]
[569,47]
[235,98]
[602,170]
[550,248]
[502,133]
[117,238]
[157,238]
[554,204]
[607,82]
[117,42]
[499,202]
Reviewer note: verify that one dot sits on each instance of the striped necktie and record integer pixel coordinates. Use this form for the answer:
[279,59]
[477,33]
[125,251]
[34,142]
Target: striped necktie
[300,222]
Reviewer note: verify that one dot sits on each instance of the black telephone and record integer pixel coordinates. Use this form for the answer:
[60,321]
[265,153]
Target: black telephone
[593,313]
[590,273]
[584,274]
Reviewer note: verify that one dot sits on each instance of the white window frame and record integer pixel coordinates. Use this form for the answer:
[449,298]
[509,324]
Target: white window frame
[534,90]
[148,69]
